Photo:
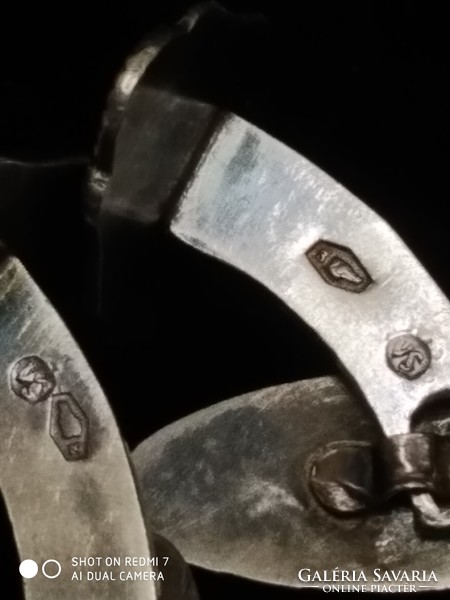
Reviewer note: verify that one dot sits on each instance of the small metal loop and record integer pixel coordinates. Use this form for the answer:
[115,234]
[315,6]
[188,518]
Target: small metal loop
[428,514]
[341,476]
[409,463]
[350,476]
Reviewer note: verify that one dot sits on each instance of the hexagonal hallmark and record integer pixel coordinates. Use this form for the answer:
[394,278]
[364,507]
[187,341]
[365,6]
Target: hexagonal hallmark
[339,266]
[69,427]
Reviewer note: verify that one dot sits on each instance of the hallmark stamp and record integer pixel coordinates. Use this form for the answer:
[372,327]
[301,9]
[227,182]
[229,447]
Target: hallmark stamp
[408,356]
[69,427]
[339,266]
[32,379]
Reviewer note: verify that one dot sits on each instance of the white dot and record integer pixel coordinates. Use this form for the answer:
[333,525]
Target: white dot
[28,569]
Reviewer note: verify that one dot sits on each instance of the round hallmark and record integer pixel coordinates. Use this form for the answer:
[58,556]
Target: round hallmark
[408,356]
[32,379]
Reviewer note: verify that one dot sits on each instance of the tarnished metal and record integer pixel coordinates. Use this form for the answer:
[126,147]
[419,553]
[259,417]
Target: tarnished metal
[229,486]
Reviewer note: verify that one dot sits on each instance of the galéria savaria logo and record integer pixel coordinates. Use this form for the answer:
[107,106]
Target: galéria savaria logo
[378,580]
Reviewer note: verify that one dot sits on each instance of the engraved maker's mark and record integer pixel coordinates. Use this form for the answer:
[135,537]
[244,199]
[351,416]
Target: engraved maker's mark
[408,356]
[32,379]
[69,427]
[339,266]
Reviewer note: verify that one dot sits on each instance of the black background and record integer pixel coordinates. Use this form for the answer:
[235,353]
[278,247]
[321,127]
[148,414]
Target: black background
[360,88]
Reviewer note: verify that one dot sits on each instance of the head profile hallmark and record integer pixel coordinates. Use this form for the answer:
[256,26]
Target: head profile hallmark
[32,379]
[408,356]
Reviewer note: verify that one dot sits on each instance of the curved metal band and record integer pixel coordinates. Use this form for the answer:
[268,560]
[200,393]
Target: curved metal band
[256,204]
[64,471]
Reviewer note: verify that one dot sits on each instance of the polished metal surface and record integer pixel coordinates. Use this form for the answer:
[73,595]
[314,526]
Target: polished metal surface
[261,207]
[228,486]
[242,487]
[255,204]
[231,191]
[64,470]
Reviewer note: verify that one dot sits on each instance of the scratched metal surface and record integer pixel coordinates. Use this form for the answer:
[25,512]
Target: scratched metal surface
[61,473]
[228,486]
[256,204]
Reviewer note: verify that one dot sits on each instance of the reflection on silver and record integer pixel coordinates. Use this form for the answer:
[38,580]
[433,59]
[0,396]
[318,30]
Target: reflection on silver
[259,206]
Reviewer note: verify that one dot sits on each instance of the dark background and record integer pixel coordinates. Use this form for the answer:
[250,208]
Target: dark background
[360,88]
